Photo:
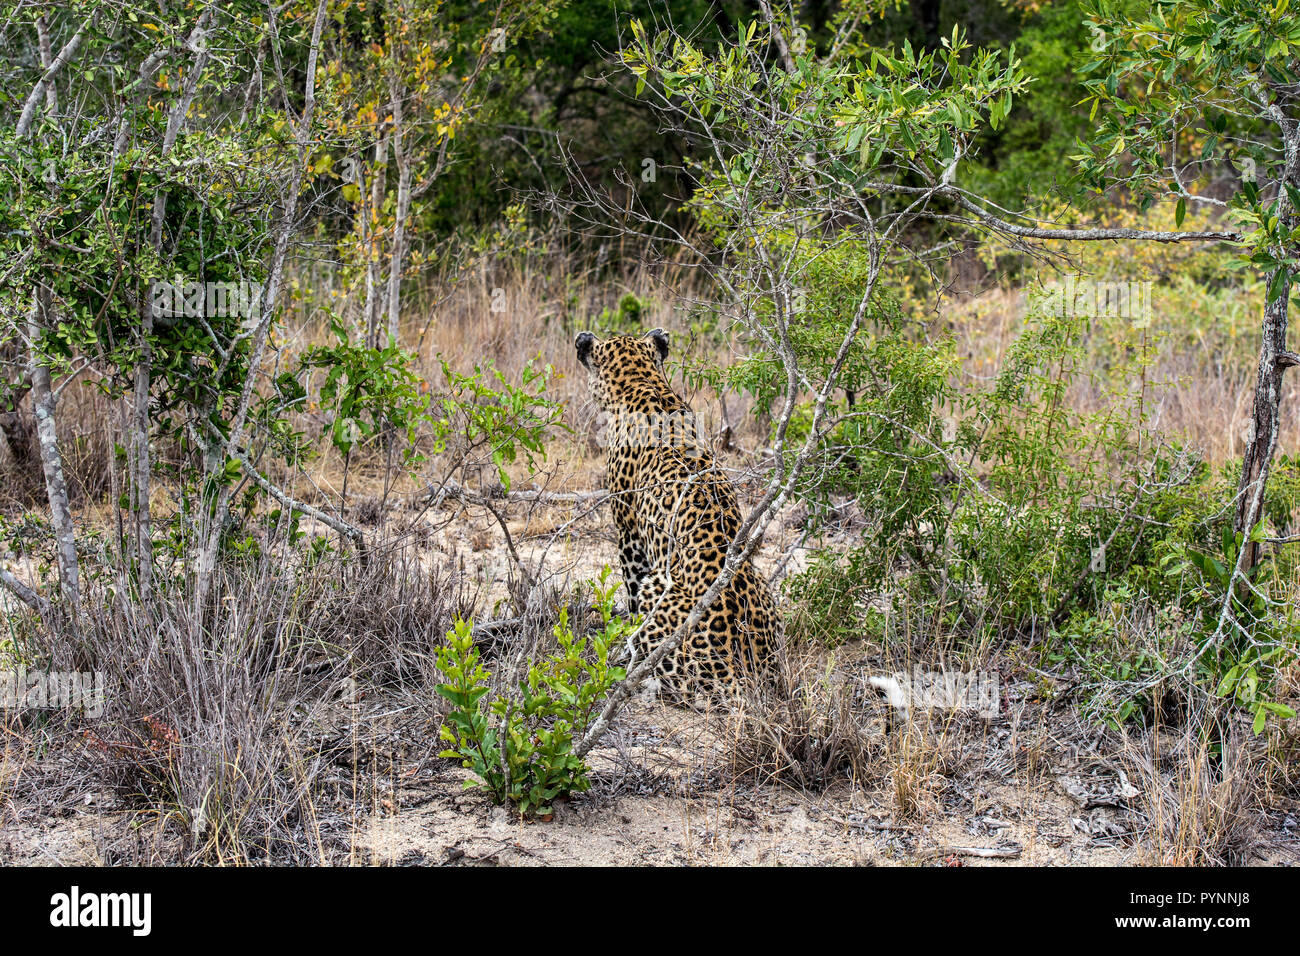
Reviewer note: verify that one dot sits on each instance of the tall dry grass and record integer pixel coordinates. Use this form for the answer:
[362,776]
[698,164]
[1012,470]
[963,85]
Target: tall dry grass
[1200,792]
[1203,346]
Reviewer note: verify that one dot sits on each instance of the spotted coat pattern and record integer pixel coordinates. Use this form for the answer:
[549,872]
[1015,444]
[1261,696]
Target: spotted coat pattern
[676,513]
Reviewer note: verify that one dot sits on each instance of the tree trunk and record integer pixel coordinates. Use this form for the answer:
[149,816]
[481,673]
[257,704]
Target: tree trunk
[370,207]
[8,460]
[141,461]
[1273,360]
[40,318]
[56,487]
[398,252]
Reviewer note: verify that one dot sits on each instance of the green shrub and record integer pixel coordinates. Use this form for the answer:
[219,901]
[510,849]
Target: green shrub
[625,320]
[1132,644]
[1261,636]
[885,446]
[521,747]
[1125,647]
[1021,516]
[829,601]
[497,416]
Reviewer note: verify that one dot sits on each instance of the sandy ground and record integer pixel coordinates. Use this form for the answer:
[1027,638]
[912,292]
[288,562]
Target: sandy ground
[662,795]
[732,823]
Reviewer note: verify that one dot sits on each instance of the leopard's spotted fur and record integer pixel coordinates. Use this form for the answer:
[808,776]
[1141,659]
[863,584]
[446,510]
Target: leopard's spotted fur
[676,514]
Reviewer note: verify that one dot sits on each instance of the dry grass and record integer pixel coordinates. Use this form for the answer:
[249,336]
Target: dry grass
[1200,793]
[269,727]
[920,755]
[1200,386]
[225,727]
[808,728]
[821,723]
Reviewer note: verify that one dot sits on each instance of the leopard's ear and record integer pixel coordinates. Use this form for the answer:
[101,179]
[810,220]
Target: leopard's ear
[660,338]
[583,343]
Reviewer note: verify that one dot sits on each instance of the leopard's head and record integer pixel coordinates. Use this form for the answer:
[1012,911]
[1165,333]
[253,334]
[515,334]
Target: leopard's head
[627,371]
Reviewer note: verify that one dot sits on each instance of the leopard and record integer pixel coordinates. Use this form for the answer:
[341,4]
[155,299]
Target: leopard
[675,513]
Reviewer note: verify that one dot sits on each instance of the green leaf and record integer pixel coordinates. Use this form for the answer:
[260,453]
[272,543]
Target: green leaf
[1278,285]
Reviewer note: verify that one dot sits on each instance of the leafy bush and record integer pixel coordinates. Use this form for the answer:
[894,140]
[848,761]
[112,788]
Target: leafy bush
[625,320]
[886,446]
[1263,635]
[366,390]
[503,419]
[1124,647]
[830,601]
[521,747]
[1017,510]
